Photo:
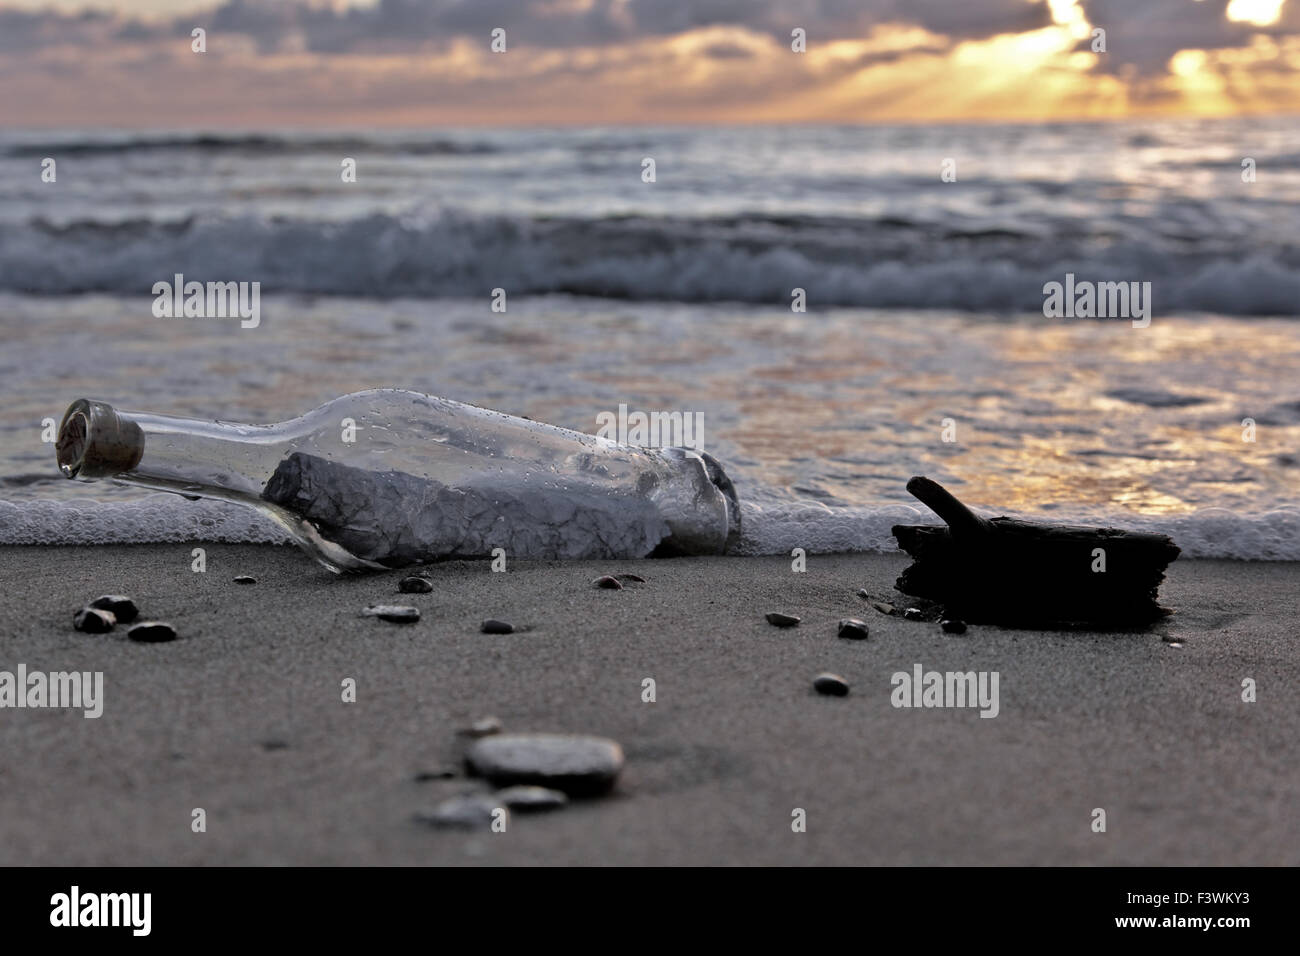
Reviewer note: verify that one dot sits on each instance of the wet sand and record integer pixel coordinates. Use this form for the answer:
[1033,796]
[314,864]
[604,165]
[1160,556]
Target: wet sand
[243,717]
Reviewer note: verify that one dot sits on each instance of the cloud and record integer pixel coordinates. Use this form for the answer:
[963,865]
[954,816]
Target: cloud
[1142,36]
[398,61]
[412,24]
[22,31]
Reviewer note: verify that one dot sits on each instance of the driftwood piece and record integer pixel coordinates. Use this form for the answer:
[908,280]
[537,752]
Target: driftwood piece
[1020,572]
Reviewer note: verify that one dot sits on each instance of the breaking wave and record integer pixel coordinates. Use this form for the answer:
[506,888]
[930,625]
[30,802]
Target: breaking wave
[875,263]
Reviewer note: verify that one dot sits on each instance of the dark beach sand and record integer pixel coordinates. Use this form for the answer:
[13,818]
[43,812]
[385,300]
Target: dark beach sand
[243,717]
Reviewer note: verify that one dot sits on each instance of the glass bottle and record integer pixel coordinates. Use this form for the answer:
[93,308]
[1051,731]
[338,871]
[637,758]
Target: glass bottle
[389,478]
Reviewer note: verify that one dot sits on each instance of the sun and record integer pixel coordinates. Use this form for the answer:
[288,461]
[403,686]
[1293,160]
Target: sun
[1261,13]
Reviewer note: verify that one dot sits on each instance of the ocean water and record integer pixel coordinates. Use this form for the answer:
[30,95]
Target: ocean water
[924,310]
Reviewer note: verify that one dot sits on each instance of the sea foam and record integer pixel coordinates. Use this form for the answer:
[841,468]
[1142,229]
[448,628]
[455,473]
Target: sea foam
[767,529]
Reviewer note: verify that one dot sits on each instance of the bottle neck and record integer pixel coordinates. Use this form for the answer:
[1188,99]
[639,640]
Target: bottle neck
[95,441]
[159,451]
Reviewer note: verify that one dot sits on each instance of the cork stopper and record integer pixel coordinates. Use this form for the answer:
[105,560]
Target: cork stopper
[95,441]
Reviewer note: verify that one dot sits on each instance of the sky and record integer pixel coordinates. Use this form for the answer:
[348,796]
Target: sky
[346,63]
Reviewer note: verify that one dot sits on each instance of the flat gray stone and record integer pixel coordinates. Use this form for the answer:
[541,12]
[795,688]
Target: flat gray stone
[577,765]
[853,629]
[152,632]
[396,613]
[833,685]
[777,619]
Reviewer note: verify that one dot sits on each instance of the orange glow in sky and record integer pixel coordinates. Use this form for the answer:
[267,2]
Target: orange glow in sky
[356,64]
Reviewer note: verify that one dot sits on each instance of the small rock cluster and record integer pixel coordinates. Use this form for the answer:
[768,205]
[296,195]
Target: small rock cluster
[949,625]
[854,629]
[109,610]
[532,773]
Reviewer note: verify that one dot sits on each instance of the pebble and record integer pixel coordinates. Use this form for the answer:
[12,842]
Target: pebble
[483,728]
[393,612]
[853,629]
[245,579]
[92,620]
[884,608]
[493,626]
[914,614]
[531,799]
[631,577]
[469,812]
[605,581]
[122,607]
[862,593]
[777,619]
[953,626]
[415,585]
[575,764]
[152,632]
[831,684]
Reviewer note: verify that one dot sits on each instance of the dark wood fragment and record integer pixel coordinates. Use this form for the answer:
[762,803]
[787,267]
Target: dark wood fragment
[1005,570]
